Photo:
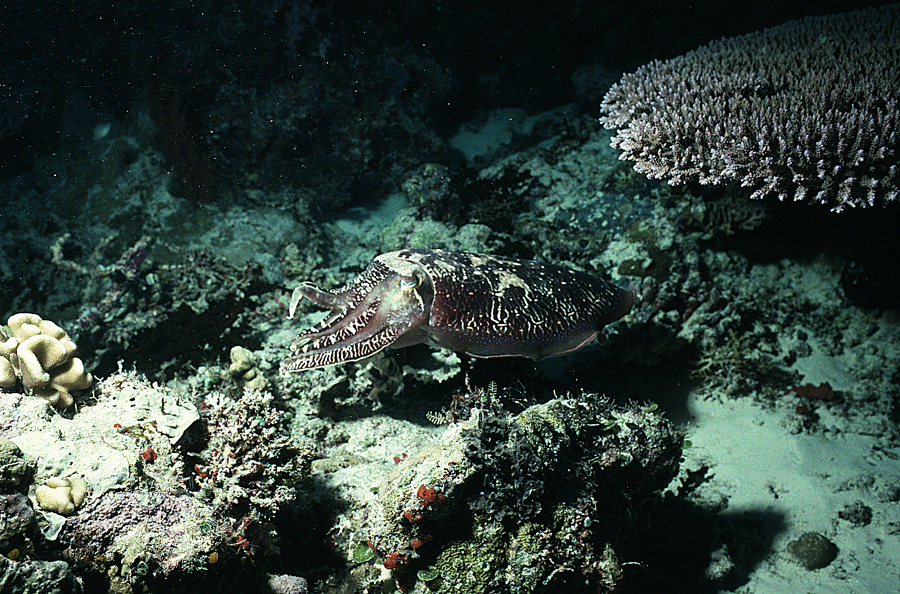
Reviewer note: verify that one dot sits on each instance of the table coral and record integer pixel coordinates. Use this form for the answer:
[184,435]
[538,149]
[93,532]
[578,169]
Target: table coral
[748,110]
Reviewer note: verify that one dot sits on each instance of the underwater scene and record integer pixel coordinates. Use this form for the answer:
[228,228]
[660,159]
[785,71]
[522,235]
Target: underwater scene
[449,297]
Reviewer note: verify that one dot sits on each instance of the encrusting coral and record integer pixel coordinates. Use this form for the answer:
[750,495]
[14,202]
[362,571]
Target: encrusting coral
[16,468]
[42,356]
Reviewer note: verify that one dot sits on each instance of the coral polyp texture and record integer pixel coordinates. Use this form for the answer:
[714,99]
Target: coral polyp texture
[41,355]
[532,502]
[808,110]
[483,305]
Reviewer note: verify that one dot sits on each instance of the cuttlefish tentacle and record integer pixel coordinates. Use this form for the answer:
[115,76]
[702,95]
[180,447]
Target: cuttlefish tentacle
[486,306]
[369,314]
[334,321]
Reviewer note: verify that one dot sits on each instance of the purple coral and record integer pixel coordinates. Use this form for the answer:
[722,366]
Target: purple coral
[175,528]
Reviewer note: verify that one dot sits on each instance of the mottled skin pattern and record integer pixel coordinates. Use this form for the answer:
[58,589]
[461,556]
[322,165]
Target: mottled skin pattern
[486,306]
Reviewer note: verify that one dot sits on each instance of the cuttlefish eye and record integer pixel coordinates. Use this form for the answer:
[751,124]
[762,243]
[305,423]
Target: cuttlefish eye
[408,283]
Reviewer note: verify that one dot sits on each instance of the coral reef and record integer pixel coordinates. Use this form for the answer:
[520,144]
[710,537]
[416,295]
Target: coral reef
[244,369]
[532,502]
[16,517]
[42,356]
[813,550]
[17,469]
[164,218]
[86,461]
[250,466]
[428,188]
[411,229]
[732,367]
[20,571]
[142,306]
[148,510]
[287,584]
[144,534]
[38,577]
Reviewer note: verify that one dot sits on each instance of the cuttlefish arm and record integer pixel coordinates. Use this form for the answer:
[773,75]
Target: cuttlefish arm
[381,305]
